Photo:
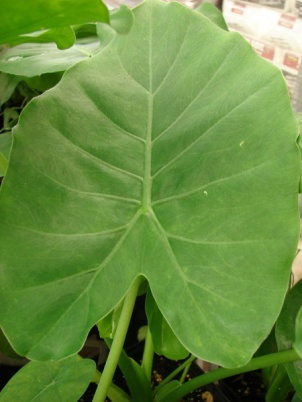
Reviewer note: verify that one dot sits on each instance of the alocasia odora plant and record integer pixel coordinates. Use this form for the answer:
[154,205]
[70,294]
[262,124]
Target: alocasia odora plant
[171,156]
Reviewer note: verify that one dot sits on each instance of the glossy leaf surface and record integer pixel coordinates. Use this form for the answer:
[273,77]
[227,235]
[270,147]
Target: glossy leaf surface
[170,154]
[65,380]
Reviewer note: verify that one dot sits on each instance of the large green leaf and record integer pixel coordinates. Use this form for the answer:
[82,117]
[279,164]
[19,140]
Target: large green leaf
[65,380]
[170,154]
[21,17]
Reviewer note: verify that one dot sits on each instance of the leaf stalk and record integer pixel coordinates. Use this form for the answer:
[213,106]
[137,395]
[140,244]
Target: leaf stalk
[118,343]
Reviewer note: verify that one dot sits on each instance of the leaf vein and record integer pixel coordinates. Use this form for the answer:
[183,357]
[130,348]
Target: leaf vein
[207,132]
[207,185]
[107,196]
[90,155]
[221,66]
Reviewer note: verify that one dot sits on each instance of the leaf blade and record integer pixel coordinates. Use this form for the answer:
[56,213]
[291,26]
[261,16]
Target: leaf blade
[50,381]
[184,160]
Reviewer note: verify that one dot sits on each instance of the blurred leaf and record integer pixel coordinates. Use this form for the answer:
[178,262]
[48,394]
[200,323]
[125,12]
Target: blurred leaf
[299,122]
[5,346]
[65,380]
[288,329]
[10,118]
[164,340]
[296,398]
[5,147]
[136,379]
[212,12]
[121,19]
[31,60]
[279,387]
[166,390]
[298,332]
[21,17]
[8,84]
[63,37]
[43,82]
[268,346]
[107,326]
[105,33]
[85,30]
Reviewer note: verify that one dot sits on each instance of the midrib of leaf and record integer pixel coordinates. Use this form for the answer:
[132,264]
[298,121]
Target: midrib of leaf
[174,261]
[147,181]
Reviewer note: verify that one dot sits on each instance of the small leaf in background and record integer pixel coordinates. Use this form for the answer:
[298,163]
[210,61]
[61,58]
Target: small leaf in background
[135,376]
[164,340]
[268,346]
[8,84]
[212,12]
[167,389]
[5,147]
[43,82]
[21,17]
[6,348]
[299,122]
[298,334]
[121,19]
[63,37]
[296,398]
[288,335]
[65,380]
[107,326]
[279,387]
[31,60]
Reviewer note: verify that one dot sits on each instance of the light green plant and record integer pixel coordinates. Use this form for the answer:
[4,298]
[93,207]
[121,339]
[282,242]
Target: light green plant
[166,161]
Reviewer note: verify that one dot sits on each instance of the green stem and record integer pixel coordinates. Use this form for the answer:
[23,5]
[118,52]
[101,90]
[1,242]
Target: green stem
[185,372]
[118,343]
[174,373]
[283,357]
[115,393]
[148,354]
